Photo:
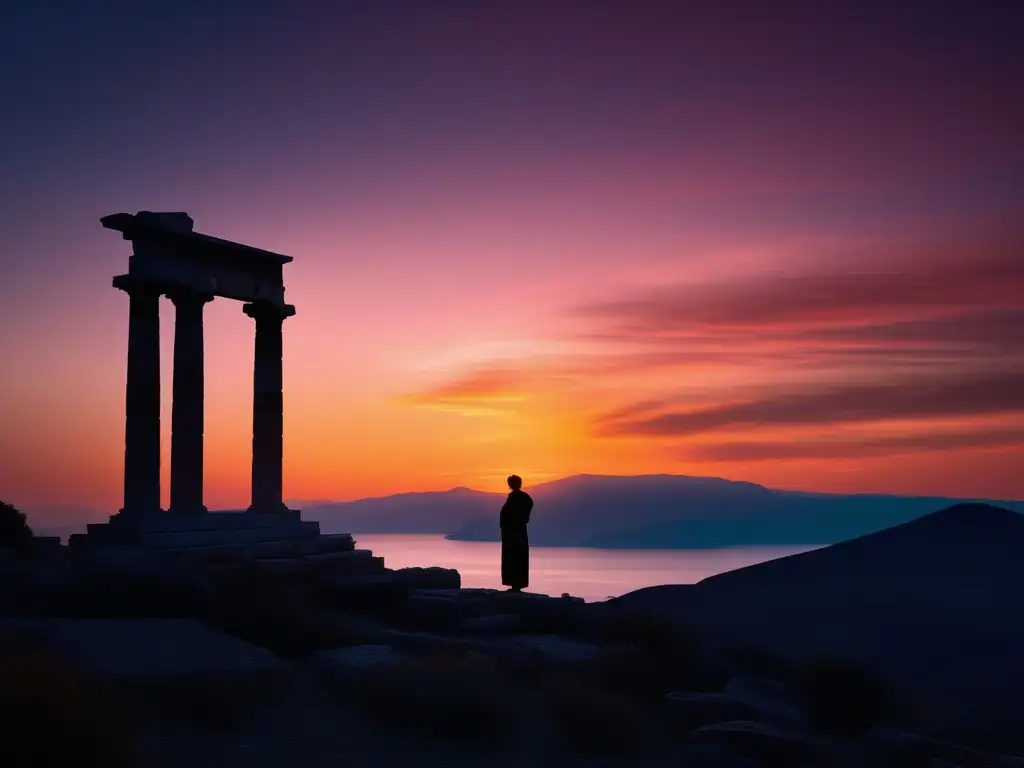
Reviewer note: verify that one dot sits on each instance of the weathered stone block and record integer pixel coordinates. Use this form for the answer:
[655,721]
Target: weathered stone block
[230,536]
[329,543]
[430,578]
[432,613]
[381,593]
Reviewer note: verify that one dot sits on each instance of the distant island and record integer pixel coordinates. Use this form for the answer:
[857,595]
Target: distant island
[643,512]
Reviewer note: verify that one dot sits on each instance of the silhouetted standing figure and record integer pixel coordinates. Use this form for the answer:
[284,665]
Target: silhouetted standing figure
[515,545]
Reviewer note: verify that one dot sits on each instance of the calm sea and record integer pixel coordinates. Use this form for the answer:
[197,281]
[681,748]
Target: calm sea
[593,574]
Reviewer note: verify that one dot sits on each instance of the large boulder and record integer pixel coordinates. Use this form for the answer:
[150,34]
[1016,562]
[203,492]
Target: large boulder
[170,666]
[430,578]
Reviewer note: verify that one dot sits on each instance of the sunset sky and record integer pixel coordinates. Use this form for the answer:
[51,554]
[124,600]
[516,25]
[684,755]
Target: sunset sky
[762,241]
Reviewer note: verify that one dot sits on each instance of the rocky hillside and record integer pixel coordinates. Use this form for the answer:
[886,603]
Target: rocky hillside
[933,603]
[334,659]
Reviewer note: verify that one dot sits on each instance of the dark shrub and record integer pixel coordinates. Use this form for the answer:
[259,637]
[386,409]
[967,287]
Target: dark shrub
[846,697]
[645,631]
[462,696]
[588,717]
[642,676]
[645,657]
[15,532]
[47,716]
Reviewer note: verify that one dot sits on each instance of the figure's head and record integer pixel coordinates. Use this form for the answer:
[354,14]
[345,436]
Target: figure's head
[515,482]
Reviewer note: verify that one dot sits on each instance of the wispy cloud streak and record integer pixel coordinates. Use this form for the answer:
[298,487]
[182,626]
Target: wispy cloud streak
[854,447]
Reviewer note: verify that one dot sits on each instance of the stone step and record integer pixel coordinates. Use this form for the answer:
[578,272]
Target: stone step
[167,523]
[345,567]
[355,562]
[342,556]
[257,550]
[231,536]
[316,547]
[329,543]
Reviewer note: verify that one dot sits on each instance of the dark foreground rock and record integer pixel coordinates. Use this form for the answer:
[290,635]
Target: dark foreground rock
[320,655]
[930,604]
[172,666]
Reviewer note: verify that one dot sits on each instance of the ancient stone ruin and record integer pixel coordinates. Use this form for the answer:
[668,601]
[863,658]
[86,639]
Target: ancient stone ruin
[170,259]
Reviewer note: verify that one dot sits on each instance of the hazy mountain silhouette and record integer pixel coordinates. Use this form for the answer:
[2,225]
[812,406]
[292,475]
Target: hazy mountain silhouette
[429,512]
[645,511]
[62,519]
[934,602]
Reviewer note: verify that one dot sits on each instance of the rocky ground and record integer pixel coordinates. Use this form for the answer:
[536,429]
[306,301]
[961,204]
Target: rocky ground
[333,659]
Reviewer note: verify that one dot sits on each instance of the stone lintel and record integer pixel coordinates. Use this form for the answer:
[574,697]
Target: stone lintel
[177,227]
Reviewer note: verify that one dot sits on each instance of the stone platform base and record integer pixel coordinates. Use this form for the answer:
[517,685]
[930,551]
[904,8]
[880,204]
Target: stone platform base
[213,534]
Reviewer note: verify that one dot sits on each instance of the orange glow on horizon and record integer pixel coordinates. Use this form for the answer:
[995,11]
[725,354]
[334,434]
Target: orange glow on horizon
[530,241]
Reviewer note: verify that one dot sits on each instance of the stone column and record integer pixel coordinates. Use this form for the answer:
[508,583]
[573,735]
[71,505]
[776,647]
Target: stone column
[187,407]
[268,406]
[142,398]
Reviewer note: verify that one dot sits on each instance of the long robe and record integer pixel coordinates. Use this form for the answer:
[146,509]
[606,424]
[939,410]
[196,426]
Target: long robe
[515,544]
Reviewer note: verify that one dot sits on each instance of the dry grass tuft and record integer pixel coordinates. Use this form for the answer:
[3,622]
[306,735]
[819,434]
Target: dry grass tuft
[463,696]
[588,717]
[844,696]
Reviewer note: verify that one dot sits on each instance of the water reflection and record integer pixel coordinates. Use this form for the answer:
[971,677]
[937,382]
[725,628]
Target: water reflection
[593,574]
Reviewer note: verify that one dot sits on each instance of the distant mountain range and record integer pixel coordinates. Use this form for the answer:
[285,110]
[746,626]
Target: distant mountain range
[644,511]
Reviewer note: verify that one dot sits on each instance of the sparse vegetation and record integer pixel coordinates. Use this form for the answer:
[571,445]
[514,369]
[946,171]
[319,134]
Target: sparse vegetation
[644,631]
[15,533]
[846,697]
[462,696]
[588,717]
[644,657]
